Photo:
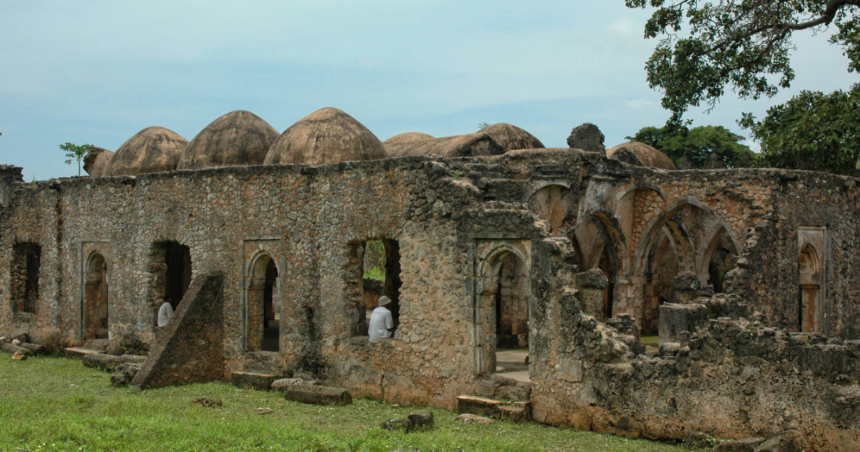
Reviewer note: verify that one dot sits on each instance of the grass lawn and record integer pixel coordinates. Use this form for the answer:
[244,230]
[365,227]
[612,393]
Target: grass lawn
[50,403]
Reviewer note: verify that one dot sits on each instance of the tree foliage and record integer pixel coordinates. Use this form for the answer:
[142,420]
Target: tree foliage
[812,131]
[741,44]
[697,144]
[75,152]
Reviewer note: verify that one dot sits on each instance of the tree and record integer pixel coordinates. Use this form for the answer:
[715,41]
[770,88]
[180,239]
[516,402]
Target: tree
[812,131]
[740,44]
[697,144]
[75,152]
[483,125]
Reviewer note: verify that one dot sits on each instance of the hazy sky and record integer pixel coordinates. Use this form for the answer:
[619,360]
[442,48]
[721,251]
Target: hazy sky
[99,71]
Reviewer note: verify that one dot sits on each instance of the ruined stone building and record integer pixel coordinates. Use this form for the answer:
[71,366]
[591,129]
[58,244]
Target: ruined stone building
[483,241]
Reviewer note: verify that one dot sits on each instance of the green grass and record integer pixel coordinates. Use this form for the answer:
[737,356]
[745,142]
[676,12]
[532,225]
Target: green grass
[650,340]
[375,273]
[56,404]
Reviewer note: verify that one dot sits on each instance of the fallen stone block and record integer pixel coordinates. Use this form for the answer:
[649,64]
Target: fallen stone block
[514,411]
[109,363]
[421,420]
[18,356]
[397,424]
[519,392]
[35,349]
[318,395]
[467,418]
[478,405]
[741,445]
[13,349]
[279,385]
[77,352]
[254,380]
[124,373]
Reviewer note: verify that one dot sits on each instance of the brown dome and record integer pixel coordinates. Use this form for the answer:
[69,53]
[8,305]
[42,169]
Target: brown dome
[325,136]
[400,145]
[470,145]
[239,138]
[512,137]
[96,161]
[636,153]
[151,150]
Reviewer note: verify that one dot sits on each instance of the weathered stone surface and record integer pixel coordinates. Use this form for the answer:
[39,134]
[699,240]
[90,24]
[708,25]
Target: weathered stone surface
[402,424]
[19,356]
[35,349]
[189,347]
[741,445]
[421,420]
[699,440]
[318,395]
[11,348]
[114,349]
[109,363]
[282,383]
[467,418]
[253,380]
[124,374]
[516,411]
[588,138]
[77,352]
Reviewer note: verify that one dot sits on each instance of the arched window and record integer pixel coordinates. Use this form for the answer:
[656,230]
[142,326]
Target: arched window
[96,298]
[810,288]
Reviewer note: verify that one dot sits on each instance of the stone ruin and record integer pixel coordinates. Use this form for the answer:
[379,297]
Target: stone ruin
[650,302]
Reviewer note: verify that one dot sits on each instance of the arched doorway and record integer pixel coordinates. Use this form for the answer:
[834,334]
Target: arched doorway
[263,329]
[810,289]
[662,266]
[96,298]
[502,315]
[603,246]
[721,257]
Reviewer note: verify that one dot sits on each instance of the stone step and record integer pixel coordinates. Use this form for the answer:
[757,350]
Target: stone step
[255,380]
[78,352]
[514,411]
[97,344]
[109,363]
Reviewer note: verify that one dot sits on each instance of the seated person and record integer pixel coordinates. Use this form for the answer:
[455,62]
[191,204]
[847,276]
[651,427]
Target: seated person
[381,324]
[165,312]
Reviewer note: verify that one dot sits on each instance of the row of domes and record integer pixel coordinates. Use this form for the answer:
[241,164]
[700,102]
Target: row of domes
[241,138]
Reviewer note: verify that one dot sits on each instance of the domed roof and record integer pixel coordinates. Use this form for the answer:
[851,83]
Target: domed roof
[151,150]
[469,145]
[239,138]
[325,136]
[512,137]
[96,161]
[636,153]
[400,145]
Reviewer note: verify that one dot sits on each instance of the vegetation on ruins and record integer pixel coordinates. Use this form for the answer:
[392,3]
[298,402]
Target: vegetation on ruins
[696,144]
[57,404]
[737,44]
[75,152]
[812,131]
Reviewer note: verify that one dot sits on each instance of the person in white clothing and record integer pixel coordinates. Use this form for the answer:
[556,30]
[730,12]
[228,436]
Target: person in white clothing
[165,312]
[381,324]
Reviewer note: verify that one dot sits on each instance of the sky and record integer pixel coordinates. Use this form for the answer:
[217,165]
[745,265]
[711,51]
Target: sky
[97,72]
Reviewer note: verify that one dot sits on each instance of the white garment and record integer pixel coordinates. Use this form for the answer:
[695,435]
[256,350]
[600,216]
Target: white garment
[380,322]
[164,314]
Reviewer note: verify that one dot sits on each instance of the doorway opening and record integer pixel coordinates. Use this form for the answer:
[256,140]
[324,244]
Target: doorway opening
[507,320]
[171,268]
[264,317]
[96,309]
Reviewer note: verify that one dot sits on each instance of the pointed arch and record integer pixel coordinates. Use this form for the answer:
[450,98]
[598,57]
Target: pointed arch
[95,307]
[261,303]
